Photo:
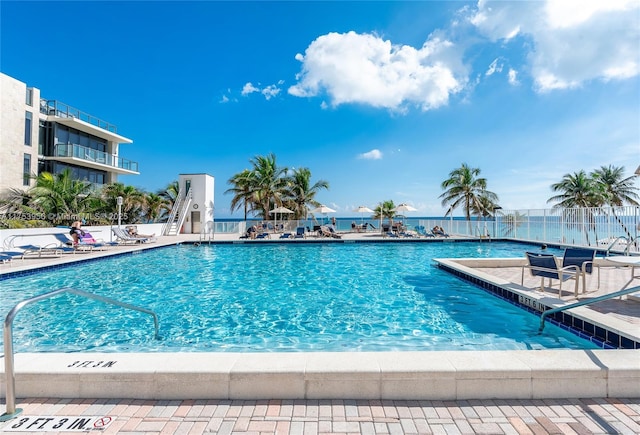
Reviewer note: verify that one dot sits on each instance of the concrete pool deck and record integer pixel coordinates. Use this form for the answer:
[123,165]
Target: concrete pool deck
[172,390]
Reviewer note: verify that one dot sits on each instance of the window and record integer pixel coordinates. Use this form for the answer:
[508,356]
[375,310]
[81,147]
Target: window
[27,128]
[27,170]
[29,97]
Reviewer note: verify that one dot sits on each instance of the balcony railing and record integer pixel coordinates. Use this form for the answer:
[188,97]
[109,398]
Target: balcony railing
[56,108]
[95,156]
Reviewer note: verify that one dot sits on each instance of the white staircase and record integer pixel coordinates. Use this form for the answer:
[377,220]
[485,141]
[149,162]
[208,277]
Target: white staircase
[178,214]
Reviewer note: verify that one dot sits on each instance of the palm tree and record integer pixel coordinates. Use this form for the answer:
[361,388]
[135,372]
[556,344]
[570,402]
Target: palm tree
[132,209]
[385,210]
[575,190]
[270,182]
[62,198]
[577,193]
[299,193]
[464,189]
[616,190]
[170,193]
[242,187]
[155,207]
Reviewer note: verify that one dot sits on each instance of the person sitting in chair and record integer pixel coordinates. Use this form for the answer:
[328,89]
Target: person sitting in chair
[76,233]
[133,232]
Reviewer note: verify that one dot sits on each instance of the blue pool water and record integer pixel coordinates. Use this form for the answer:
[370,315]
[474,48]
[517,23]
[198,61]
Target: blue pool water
[277,297]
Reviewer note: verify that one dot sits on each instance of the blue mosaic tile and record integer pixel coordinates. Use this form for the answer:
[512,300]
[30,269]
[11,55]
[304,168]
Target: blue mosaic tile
[584,329]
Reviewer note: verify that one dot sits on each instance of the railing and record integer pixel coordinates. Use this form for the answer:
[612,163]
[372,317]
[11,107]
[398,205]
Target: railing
[11,410]
[95,156]
[616,242]
[56,108]
[178,214]
[594,226]
[585,302]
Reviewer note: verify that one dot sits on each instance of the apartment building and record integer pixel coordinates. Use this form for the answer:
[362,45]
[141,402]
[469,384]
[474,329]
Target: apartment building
[38,135]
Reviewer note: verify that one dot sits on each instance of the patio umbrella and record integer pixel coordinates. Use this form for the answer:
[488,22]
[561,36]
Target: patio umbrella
[363,209]
[281,210]
[323,209]
[404,207]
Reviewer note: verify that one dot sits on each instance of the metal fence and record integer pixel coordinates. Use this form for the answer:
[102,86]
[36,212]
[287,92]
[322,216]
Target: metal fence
[601,227]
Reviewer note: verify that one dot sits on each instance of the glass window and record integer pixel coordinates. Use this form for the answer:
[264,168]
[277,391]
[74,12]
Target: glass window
[42,134]
[29,97]
[74,138]
[27,170]
[27,128]
[62,135]
[84,140]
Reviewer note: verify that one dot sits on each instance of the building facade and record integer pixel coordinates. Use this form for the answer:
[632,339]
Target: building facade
[38,135]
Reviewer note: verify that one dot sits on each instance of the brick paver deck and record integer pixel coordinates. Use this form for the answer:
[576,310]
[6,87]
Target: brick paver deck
[562,416]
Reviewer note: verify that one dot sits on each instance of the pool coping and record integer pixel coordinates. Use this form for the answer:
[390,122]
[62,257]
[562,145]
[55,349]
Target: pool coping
[440,375]
[428,375]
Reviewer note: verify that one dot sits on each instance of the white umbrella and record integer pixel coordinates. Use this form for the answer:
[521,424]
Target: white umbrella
[323,209]
[404,207]
[363,209]
[281,210]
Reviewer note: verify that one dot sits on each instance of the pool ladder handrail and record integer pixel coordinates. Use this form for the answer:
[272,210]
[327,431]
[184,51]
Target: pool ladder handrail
[586,302]
[11,411]
[617,239]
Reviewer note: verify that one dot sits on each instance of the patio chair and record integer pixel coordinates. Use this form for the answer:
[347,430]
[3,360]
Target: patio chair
[41,251]
[546,266]
[300,233]
[12,254]
[8,256]
[583,259]
[421,231]
[125,239]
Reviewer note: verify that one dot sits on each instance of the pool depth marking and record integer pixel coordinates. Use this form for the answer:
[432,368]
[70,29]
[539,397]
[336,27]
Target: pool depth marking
[58,423]
[92,364]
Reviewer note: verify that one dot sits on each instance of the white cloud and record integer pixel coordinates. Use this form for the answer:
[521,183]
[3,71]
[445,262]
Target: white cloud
[249,89]
[374,154]
[224,99]
[574,41]
[513,77]
[365,69]
[267,92]
[270,91]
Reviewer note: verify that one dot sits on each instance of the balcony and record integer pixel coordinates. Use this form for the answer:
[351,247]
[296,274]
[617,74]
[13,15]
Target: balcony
[72,117]
[88,157]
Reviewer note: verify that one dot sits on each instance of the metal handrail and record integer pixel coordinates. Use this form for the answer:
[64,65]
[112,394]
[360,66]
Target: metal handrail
[626,249]
[586,302]
[11,410]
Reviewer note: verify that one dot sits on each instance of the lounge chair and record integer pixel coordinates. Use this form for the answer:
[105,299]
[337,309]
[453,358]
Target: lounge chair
[439,233]
[300,233]
[125,239]
[264,235]
[12,254]
[327,231]
[546,266]
[582,258]
[4,258]
[285,236]
[421,231]
[41,251]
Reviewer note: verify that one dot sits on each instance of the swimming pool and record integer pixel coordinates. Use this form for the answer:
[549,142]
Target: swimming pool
[276,298]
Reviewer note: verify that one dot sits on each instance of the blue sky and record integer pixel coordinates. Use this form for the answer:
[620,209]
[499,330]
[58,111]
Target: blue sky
[381,99]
